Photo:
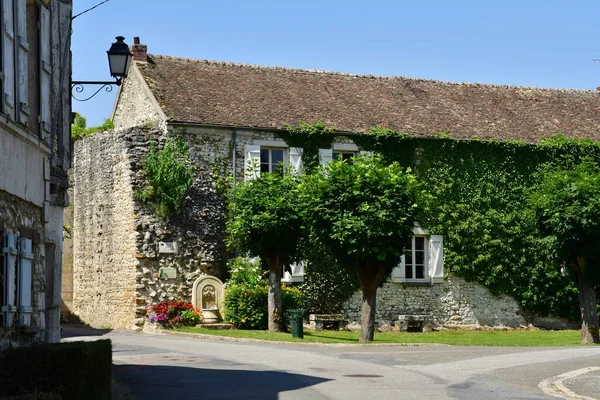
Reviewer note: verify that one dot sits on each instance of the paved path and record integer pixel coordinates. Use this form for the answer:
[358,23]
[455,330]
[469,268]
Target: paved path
[173,367]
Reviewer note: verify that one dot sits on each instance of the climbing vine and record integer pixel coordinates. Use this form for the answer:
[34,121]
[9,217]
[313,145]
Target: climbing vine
[480,191]
[168,174]
[311,138]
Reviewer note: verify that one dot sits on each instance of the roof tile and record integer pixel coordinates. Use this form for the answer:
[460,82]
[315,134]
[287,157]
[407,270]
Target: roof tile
[224,93]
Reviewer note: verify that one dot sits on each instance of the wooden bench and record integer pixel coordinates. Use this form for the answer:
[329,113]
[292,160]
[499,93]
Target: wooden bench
[319,322]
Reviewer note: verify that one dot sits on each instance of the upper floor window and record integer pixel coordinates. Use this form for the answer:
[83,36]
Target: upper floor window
[270,159]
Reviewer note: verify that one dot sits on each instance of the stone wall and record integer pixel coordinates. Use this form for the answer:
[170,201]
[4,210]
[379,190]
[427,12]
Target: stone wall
[135,105]
[198,231]
[117,263]
[25,219]
[454,302]
[104,263]
[66,306]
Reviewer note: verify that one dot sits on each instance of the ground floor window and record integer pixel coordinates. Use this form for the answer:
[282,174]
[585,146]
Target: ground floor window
[346,155]
[423,260]
[415,260]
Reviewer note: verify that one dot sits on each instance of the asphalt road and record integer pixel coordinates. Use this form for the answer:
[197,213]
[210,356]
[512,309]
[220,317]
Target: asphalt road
[173,367]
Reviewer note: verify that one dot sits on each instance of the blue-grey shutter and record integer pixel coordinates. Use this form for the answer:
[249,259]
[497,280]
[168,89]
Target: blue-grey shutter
[22,76]
[9,252]
[25,281]
[8,58]
[45,71]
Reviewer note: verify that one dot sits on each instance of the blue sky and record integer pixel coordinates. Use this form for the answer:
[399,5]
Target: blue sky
[542,43]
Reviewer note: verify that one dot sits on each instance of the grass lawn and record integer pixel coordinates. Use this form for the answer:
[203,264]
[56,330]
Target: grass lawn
[453,337]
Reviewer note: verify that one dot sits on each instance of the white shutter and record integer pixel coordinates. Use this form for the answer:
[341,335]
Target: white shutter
[436,258]
[297,274]
[9,251]
[251,162]
[45,71]
[398,273]
[25,282]
[8,61]
[325,156]
[296,160]
[22,78]
[365,153]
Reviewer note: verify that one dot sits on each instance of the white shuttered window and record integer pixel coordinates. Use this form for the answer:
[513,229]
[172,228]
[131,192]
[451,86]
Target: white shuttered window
[422,262]
[295,161]
[251,162]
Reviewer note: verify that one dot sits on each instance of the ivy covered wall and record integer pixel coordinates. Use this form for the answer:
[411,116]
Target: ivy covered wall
[480,207]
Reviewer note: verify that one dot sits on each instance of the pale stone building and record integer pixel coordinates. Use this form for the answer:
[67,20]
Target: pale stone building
[35,154]
[231,114]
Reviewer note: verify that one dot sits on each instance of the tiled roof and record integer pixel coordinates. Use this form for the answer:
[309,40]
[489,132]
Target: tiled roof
[209,92]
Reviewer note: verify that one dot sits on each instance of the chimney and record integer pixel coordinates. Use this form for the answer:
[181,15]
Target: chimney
[139,51]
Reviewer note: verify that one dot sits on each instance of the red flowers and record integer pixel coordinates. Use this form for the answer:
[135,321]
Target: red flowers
[174,313]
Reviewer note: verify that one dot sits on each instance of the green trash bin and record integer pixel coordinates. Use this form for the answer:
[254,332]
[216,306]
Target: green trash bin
[297,319]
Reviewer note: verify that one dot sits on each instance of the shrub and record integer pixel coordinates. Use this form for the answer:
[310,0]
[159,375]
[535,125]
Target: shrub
[174,313]
[72,370]
[168,173]
[246,307]
[246,295]
[245,272]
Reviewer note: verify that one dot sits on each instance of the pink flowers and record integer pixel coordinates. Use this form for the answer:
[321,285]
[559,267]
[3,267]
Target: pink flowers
[174,313]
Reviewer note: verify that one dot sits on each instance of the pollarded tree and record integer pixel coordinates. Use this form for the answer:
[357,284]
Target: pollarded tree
[566,200]
[265,222]
[364,210]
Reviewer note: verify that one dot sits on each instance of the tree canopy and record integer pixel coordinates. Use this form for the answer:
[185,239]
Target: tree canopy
[265,221]
[566,200]
[364,210]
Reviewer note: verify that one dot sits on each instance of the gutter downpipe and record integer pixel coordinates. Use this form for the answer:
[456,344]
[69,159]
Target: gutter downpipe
[233,147]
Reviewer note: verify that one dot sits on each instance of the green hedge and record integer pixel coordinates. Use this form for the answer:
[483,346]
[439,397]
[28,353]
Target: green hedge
[246,307]
[72,370]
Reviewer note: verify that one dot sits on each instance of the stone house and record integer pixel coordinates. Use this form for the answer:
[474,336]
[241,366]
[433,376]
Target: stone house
[35,155]
[231,114]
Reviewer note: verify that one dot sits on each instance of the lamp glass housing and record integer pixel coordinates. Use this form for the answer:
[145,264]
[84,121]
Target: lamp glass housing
[119,58]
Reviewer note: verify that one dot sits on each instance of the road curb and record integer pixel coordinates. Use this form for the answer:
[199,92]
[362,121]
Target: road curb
[284,343]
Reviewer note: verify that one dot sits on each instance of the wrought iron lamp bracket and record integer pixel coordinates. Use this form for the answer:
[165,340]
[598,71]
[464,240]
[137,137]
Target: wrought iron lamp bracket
[78,87]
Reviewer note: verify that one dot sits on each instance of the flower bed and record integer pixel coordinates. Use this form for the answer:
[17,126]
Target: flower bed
[171,314]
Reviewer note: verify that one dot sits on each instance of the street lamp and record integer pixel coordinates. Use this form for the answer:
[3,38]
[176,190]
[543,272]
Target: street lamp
[119,59]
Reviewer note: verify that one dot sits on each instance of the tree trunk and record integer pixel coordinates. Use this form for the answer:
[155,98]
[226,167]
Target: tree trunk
[589,313]
[274,298]
[369,276]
